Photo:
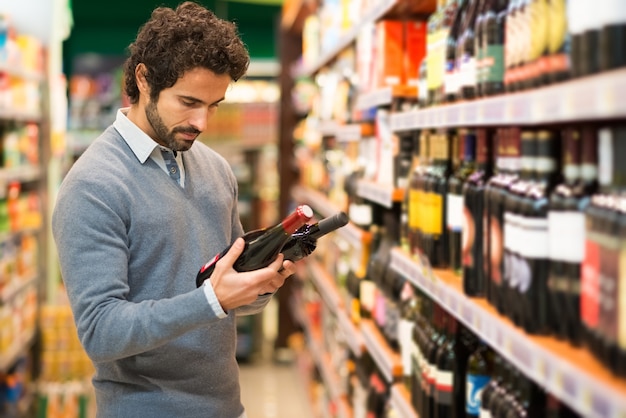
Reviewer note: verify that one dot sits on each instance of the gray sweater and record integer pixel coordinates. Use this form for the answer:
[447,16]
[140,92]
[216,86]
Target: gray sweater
[130,242]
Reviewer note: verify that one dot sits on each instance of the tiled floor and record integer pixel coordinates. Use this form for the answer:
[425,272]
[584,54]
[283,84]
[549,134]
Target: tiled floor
[270,389]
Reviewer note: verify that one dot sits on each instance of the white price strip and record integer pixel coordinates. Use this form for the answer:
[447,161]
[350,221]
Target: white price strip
[377,351]
[349,133]
[352,335]
[401,405]
[383,195]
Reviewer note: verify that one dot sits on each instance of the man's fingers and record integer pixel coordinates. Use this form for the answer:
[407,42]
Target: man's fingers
[233,252]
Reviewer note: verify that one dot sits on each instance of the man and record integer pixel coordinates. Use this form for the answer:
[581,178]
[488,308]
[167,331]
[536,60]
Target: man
[131,239]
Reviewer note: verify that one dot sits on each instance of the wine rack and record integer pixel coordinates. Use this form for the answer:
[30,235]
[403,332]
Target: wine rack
[570,373]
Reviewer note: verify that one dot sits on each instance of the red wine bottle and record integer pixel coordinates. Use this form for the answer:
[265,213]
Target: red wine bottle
[304,241]
[262,246]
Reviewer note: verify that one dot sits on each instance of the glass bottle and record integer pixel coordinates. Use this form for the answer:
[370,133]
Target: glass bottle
[516,270]
[479,373]
[532,289]
[454,214]
[445,379]
[493,62]
[473,237]
[559,44]
[467,50]
[566,222]
[451,76]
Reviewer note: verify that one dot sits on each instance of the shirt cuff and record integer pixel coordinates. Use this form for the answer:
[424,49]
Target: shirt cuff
[212,299]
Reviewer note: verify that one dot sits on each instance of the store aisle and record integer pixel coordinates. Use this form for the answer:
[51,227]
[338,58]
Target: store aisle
[272,389]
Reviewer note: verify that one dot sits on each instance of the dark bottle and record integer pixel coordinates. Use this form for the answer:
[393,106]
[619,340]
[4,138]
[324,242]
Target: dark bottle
[479,45]
[368,288]
[466,43]
[492,67]
[612,34]
[516,270]
[455,213]
[479,373]
[437,339]
[437,187]
[566,223]
[512,55]
[509,144]
[539,47]
[262,246]
[472,237]
[416,203]
[559,44]
[408,306]
[421,333]
[532,289]
[405,231]
[493,387]
[451,76]
[304,241]
[590,23]
[445,379]
[498,404]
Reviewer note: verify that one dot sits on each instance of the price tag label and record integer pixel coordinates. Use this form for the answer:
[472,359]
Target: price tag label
[600,405]
[467,313]
[470,115]
[493,111]
[451,116]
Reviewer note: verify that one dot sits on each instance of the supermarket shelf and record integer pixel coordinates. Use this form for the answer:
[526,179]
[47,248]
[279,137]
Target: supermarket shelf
[380,10]
[17,72]
[383,96]
[387,360]
[354,132]
[382,194]
[18,348]
[20,116]
[330,295]
[22,174]
[401,401]
[16,287]
[556,365]
[595,97]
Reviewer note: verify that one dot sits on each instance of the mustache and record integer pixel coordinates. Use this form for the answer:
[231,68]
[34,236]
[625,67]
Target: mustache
[187,131]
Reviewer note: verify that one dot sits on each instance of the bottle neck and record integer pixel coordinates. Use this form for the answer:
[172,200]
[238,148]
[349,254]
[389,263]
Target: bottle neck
[296,219]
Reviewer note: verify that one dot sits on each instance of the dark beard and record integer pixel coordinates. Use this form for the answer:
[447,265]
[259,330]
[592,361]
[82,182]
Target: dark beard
[163,136]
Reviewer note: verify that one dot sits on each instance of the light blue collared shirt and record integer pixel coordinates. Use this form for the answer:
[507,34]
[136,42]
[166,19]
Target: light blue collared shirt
[145,147]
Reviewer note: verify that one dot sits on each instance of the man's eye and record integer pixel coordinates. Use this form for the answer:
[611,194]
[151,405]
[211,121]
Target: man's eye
[215,105]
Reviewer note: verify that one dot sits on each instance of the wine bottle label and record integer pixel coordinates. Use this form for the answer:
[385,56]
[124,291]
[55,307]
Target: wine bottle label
[475,384]
[566,236]
[454,212]
[405,337]
[485,413]
[535,238]
[443,387]
[436,213]
[467,71]
[367,292]
[469,245]
[590,285]
[609,264]
[496,250]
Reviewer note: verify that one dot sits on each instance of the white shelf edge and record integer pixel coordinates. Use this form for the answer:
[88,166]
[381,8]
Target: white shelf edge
[379,353]
[20,116]
[8,358]
[580,390]
[354,339]
[400,404]
[348,133]
[375,98]
[599,96]
[326,289]
[377,193]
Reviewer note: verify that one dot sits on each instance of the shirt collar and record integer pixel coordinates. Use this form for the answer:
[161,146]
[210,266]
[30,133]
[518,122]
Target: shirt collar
[139,142]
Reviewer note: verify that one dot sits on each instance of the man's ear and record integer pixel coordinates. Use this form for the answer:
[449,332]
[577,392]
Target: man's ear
[140,78]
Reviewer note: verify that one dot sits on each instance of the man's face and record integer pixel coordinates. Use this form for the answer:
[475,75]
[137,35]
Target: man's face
[183,110]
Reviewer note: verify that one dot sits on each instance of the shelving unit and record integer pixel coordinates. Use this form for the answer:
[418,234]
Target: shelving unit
[572,374]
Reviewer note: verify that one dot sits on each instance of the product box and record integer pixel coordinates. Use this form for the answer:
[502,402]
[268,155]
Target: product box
[389,53]
[415,50]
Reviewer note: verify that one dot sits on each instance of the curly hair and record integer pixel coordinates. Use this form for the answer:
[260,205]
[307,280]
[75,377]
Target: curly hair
[175,41]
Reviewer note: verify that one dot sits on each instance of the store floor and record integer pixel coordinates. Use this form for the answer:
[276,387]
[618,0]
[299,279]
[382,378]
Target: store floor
[272,389]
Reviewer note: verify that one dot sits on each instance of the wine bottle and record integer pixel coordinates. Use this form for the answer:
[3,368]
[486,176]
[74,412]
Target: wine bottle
[304,240]
[479,373]
[473,238]
[467,67]
[262,246]
[455,204]
[492,65]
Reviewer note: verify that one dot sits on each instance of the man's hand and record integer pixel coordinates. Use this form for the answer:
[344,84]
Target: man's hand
[234,289]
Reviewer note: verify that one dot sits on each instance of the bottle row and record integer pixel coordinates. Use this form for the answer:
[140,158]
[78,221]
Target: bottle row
[446,370]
